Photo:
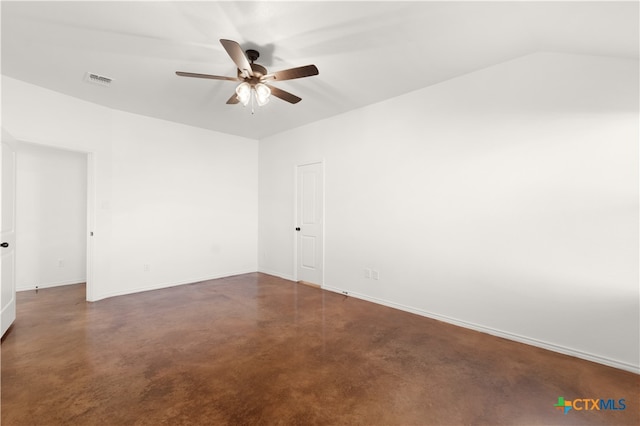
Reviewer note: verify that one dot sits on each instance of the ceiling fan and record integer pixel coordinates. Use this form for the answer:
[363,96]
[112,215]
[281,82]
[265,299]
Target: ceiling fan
[253,77]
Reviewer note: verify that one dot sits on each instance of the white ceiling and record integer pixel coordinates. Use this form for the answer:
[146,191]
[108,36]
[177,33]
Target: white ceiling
[366,51]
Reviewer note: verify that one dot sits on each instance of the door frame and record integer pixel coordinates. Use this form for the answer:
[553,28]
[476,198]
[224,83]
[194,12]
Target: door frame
[91,209]
[295,216]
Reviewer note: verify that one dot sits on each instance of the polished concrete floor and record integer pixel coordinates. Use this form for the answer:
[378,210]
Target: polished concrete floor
[259,350]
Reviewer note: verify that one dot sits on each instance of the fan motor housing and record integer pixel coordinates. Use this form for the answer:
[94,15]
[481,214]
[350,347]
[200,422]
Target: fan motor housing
[258,71]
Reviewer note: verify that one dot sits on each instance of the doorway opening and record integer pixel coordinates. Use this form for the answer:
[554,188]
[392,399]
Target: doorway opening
[53,216]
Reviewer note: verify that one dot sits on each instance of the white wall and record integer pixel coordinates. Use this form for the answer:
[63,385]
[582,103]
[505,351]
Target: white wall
[184,202]
[51,216]
[179,199]
[505,200]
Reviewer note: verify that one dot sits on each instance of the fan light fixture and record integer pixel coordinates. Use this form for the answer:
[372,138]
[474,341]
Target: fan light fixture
[260,91]
[244,93]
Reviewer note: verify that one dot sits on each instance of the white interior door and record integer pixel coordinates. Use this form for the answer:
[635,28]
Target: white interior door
[310,217]
[7,218]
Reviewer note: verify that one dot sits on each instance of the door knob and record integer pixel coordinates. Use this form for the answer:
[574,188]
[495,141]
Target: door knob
[4,245]
[297,229]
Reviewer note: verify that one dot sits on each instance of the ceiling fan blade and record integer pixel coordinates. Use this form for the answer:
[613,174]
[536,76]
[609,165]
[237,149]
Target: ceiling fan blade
[291,73]
[237,55]
[284,95]
[233,100]
[209,76]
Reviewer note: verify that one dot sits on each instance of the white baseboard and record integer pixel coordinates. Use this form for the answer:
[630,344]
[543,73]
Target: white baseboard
[167,285]
[495,332]
[49,285]
[275,274]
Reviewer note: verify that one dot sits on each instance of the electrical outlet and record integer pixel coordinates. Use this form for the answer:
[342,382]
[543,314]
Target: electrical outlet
[375,275]
[60,263]
[146,267]
[367,273]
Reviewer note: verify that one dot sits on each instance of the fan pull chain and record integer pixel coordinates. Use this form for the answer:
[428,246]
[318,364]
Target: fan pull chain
[252,96]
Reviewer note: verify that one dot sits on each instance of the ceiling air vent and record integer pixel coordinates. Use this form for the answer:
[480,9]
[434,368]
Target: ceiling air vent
[100,80]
